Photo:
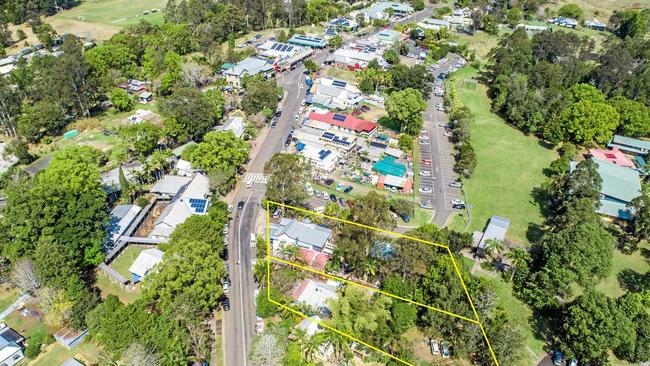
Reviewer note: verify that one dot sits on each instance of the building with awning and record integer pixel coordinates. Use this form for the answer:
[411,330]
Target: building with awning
[388,166]
[630,145]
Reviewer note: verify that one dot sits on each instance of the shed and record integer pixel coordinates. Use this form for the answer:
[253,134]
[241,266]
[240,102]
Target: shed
[146,97]
[144,263]
[70,338]
[496,229]
[72,362]
[630,145]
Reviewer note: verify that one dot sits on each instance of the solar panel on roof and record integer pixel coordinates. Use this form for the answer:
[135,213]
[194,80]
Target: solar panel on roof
[339,117]
[275,46]
[339,83]
[289,48]
[326,154]
[284,48]
[328,135]
[198,204]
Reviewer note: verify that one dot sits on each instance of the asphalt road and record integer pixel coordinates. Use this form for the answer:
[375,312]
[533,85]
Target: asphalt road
[239,322]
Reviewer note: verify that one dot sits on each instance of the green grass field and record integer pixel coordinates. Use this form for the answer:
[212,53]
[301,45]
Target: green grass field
[509,166]
[122,263]
[8,295]
[118,13]
[56,354]
[338,73]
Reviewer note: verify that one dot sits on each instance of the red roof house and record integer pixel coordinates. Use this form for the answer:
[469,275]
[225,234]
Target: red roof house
[344,122]
[614,156]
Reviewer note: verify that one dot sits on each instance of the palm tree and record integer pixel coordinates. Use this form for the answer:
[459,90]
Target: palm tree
[517,256]
[369,268]
[493,246]
[339,343]
[289,251]
[311,347]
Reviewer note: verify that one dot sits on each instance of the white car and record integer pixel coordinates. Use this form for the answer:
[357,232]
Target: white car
[426,205]
[424,173]
[435,347]
[253,262]
[424,190]
[229,208]
[253,240]
[456,184]
[448,134]
[424,137]
[226,285]
[445,125]
[225,229]
[457,202]
[424,142]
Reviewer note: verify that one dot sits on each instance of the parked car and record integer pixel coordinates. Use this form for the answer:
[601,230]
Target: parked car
[426,205]
[445,125]
[558,358]
[288,141]
[225,229]
[349,202]
[316,193]
[329,181]
[456,184]
[226,284]
[425,162]
[348,189]
[225,254]
[425,190]
[424,173]
[339,187]
[573,362]
[405,217]
[457,202]
[444,349]
[365,108]
[394,215]
[240,205]
[341,201]
[332,198]
[226,304]
[424,137]
[435,347]
[277,213]
[458,206]
[424,142]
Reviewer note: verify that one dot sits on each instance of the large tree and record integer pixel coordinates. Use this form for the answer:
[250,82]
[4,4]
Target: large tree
[405,107]
[187,114]
[141,138]
[288,176]
[218,151]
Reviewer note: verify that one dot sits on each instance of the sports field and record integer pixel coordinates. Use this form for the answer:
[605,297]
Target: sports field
[118,13]
[509,166]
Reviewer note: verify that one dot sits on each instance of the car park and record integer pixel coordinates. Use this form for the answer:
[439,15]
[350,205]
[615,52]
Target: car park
[332,198]
[226,304]
[424,173]
[456,184]
[425,190]
[434,346]
[348,189]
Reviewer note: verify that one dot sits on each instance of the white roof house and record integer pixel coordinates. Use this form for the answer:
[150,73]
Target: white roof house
[184,168]
[190,199]
[303,234]
[282,52]
[11,349]
[352,58]
[319,156]
[316,294]
[309,327]
[144,263]
[170,185]
[235,124]
[335,94]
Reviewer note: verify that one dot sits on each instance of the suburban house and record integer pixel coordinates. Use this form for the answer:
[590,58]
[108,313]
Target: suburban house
[190,196]
[11,346]
[595,24]
[614,156]
[251,66]
[333,94]
[386,37]
[121,219]
[346,123]
[630,145]
[496,229]
[309,327]
[380,10]
[285,55]
[134,86]
[434,24]
[317,132]
[235,124]
[351,59]
[145,97]
[619,187]
[343,24]
[316,294]
[144,263]
[307,41]
[302,234]
[184,168]
[564,22]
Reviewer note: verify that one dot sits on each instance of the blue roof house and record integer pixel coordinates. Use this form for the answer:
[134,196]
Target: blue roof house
[307,41]
[630,145]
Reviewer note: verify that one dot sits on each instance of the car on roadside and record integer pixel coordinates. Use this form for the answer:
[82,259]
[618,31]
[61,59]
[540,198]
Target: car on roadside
[229,208]
[557,358]
[328,181]
[425,190]
[240,205]
[445,125]
[226,285]
[424,142]
[333,197]
[573,362]
[405,217]
[394,215]
[456,184]
[341,201]
[424,173]
[423,137]
[226,304]
[225,229]
[225,254]
[460,206]
[425,162]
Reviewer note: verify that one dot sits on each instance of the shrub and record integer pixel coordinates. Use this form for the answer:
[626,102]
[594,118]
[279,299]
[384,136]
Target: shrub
[121,100]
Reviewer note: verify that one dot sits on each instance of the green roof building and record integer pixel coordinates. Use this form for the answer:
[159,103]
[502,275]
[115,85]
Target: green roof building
[630,145]
[619,187]
[388,166]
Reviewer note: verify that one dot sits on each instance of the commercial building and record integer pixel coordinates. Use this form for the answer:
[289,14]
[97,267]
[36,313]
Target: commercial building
[614,156]
[307,41]
[351,59]
[320,157]
[333,94]
[251,66]
[343,24]
[385,38]
[284,55]
[346,123]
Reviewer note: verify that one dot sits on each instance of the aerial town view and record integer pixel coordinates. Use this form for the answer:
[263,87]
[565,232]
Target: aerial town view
[324,182]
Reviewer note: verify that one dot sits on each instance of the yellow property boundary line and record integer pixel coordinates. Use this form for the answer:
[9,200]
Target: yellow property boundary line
[270,257]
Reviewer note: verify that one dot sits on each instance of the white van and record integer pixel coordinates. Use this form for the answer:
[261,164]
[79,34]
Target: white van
[253,240]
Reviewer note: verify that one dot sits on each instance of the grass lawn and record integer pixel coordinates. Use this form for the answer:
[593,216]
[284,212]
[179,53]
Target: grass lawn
[8,295]
[55,354]
[509,166]
[338,73]
[115,12]
[122,263]
[373,114]
[28,327]
[107,287]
